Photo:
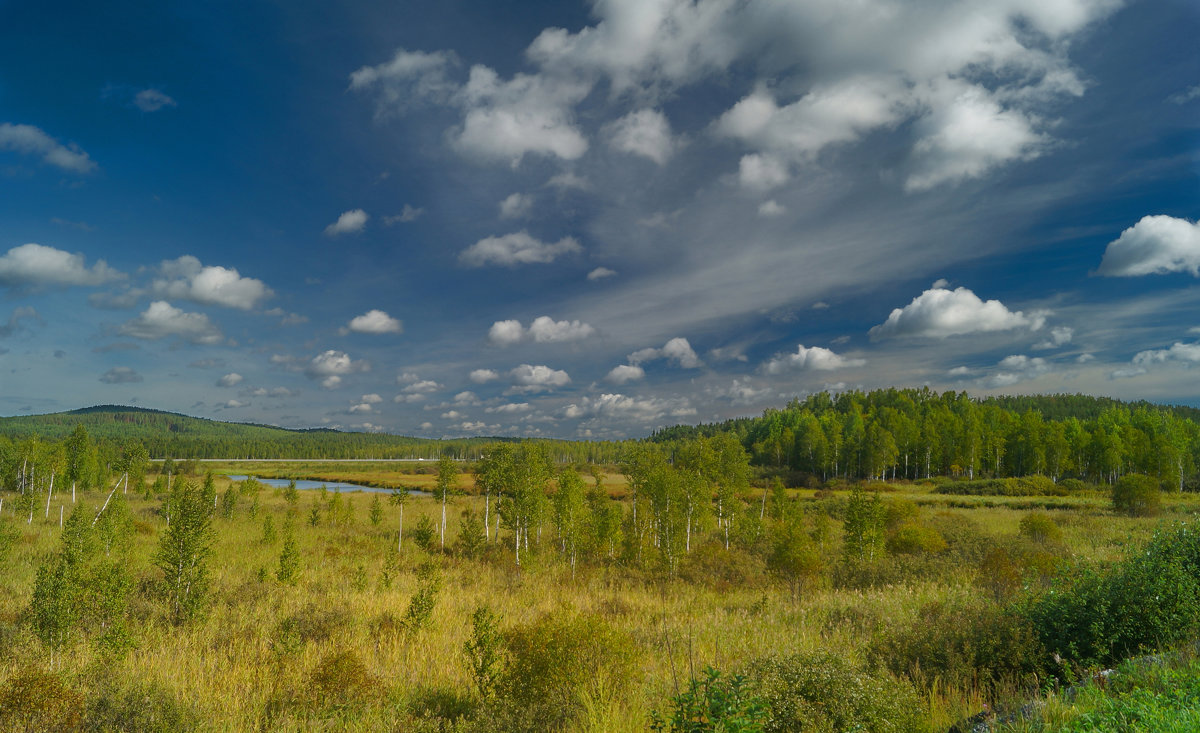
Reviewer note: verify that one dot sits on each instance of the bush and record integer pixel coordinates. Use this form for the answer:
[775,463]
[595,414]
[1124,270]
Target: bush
[424,533]
[33,700]
[962,645]
[1136,495]
[825,692]
[339,679]
[915,539]
[560,666]
[713,704]
[1072,485]
[143,708]
[711,565]
[1039,527]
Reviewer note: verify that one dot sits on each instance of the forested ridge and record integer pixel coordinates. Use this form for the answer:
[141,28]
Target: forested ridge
[918,433]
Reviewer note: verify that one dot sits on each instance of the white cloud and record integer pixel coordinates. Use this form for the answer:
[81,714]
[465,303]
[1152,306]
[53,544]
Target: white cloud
[1185,96]
[677,350]
[273,392]
[762,172]
[1059,336]
[362,407]
[568,180]
[771,208]
[466,397]
[349,222]
[186,278]
[331,366]
[1017,368]
[938,313]
[120,375]
[162,319]
[815,358]
[645,132]
[30,140]
[230,380]
[506,333]
[482,376]
[371,399]
[152,100]
[34,265]
[623,407]
[543,330]
[510,409]
[600,273]
[375,321]
[625,373]
[407,215]
[1156,245]
[530,378]
[234,404]
[1179,352]
[517,248]
[424,386]
[516,206]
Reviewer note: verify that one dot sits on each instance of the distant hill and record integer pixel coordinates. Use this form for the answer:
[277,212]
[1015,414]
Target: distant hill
[182,436]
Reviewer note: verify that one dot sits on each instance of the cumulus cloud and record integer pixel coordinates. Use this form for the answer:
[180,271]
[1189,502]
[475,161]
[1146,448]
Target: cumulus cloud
[1178,352]
[509,409]
[152,100]
[1059,336]
[623,407]
[1156,245]
[375,321]
[162,319]
[677,350]
[814,358]
[530,378]
[645,132]
[30,140]
[422,387]
[30,266]
[516,249]
[516,206]
[771,208]
[349,222]
[938,313]
[407,215]
[543,330]
[273,392]
[483,376]
[762,172]
[360,408]
[371,399]
[230,380]
[330,366]
[1017,368]
[625,373]
[120,375]
[600,273]
[186,278]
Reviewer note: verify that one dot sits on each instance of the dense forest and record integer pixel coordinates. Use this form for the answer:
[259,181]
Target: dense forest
[918,433]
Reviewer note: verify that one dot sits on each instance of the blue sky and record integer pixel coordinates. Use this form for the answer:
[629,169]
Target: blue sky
[592,219]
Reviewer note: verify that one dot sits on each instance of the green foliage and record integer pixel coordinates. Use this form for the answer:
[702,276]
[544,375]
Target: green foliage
[340,679]
[795,557]
[376,511]
[310,625]
[912,538]
[1041,528]
[484,652]
[143,707]
[289,556]
[291,494]
[560,665]
[419,613]
[1148,600]
[961,644]
[1136,495]
[268,531]
[471,537]
[183,552]
[425,533]
[229,503]
[713,705]
[314,514]
[863,528]
[32,701]
[825,692]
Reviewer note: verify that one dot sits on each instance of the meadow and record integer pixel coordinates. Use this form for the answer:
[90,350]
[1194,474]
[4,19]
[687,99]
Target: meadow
[371,636]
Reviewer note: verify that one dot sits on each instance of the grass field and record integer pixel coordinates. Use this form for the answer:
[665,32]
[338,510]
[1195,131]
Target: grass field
[265,654]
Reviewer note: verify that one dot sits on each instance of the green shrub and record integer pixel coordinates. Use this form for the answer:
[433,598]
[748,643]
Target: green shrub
[559,666]
[711,565]
[1039,527]
[1136,495]
[713,704]
[425,533]
[310,625]
[1072,485]
[915,539]
[961,644]
[825,692]
[142,708]
[33,700]
[339,679]
[419,613]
